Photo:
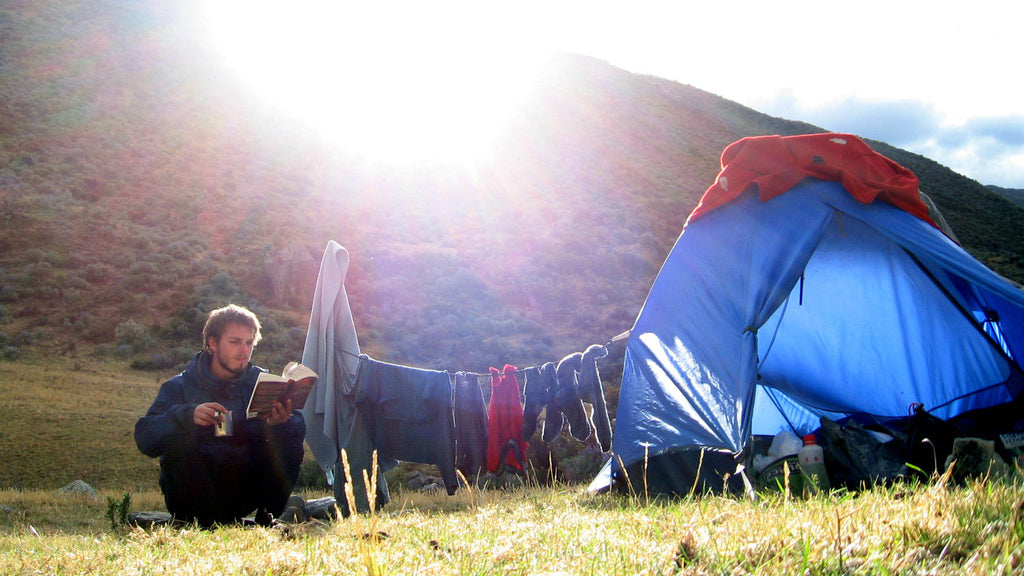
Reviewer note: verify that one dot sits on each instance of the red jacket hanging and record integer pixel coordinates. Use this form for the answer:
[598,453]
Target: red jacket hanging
[505,421]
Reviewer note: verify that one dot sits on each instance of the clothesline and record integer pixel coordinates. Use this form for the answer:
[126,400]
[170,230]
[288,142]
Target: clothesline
[614,339]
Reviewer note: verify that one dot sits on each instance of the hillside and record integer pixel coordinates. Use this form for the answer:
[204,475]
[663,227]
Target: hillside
[140,185]
[1013,195]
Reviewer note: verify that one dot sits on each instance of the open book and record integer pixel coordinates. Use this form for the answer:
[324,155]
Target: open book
[295,382]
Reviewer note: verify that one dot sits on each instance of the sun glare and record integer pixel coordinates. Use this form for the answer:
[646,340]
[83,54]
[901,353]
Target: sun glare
[407,82]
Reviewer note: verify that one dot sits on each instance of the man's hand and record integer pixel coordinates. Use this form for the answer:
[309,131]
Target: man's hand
[280,413]
[209,414]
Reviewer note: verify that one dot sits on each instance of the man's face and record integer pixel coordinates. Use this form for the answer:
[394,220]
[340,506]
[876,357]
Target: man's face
[232,351]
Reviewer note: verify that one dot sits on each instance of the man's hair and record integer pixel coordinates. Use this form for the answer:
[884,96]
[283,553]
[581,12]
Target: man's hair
[230,314]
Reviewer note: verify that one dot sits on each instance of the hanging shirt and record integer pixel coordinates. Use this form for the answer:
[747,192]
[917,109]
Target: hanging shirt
[505,420]
[407,413]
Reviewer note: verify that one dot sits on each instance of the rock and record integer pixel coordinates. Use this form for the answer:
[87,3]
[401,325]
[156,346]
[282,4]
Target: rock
[79,487]
[322,508]
[975,458]
[416,481]
[149,519]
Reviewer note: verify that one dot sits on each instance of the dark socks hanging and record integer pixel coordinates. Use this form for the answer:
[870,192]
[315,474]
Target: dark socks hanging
[591,391]
[553,416]
[536,398]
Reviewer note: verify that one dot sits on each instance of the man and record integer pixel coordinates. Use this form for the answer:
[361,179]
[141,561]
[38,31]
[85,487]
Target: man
[216,466]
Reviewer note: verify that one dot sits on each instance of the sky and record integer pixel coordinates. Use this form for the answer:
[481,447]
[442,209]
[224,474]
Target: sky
[940,79]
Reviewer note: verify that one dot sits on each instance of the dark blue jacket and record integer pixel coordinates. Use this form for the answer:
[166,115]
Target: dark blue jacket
[167,431]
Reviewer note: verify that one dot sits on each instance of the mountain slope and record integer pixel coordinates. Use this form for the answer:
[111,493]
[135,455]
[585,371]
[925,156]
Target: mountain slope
[139,185]
[1013,195]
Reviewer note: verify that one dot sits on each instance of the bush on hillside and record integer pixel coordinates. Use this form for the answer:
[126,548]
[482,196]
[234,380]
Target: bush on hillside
[133,336]
[97,272]
[8,293]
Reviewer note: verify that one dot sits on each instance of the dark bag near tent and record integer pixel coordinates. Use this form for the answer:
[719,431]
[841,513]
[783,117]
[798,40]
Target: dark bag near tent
[856,458]
[1003,423]
[929,440]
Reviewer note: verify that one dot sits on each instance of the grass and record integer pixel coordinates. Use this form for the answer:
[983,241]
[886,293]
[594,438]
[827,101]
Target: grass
[903,529]
[66,419]
[74,422]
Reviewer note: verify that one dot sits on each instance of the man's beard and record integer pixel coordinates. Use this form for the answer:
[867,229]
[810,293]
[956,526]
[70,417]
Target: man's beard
[229,369]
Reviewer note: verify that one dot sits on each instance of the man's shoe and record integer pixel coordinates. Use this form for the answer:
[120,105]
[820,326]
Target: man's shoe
[294,511]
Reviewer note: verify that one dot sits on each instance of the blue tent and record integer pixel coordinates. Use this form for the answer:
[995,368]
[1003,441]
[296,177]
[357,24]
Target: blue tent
[796,293]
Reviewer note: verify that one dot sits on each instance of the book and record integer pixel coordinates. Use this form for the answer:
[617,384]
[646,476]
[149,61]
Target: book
[295,381]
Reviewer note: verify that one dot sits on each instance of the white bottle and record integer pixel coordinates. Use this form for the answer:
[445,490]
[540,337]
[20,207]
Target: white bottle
[812,462]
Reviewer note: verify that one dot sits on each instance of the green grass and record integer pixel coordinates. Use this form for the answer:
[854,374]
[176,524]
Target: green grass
[65,420]
[921,529]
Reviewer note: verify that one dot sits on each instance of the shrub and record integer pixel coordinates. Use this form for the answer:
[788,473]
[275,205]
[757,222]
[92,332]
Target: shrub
[312,477]
[75,281]
[48,292]
[38,270]
[584,466]
[72,296]
[79,322]
[97,272]
[133,335]
[33,255]
[143,268]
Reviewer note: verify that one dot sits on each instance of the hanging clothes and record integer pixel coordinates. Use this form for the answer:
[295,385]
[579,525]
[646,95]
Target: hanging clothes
[553,414]
[536,396]
[332,351]
[408,415]
[470,425]
[591,391]
[567,396]
[505,421]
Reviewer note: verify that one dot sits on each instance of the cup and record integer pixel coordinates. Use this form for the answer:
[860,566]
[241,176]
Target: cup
[224,426]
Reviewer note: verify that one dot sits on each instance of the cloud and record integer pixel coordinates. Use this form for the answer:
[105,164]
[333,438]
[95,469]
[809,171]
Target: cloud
[898,122]
[1005,130]
[988,149]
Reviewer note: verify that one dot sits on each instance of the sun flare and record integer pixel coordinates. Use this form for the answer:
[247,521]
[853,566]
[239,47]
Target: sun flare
[401,83]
